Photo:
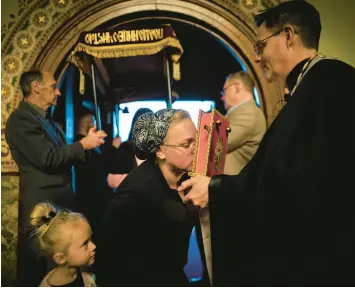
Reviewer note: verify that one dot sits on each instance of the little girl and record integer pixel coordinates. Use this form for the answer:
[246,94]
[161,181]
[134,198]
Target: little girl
[64,236]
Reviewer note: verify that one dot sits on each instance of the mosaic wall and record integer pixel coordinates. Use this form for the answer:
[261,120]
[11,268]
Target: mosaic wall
[22,41]
[9,228]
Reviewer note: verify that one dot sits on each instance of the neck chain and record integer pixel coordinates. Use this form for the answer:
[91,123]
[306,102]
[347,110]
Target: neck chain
[302,73]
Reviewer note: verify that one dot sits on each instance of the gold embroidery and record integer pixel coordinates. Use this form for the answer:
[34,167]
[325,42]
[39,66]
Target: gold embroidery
[117,51]
[124,36]
[218,152]
[209,142]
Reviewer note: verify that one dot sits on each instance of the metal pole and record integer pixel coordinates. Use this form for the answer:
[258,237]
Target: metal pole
[167,65]
[61,80]
[69,105]
[98,119]
[117,113]
[69,113]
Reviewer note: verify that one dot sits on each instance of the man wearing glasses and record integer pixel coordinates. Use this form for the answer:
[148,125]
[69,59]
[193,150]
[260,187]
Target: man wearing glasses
[288,218]
[246,120]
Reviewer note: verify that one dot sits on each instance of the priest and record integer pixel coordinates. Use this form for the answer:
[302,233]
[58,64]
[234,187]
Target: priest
[288,218]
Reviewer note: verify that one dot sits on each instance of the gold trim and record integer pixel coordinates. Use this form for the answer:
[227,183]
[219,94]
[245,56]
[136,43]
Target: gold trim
[192,174]
[128,50]
[218,152]
[209,141]
[194,161]
[215,110]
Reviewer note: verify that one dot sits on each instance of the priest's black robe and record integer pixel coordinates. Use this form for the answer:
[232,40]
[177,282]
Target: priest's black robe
[288,219]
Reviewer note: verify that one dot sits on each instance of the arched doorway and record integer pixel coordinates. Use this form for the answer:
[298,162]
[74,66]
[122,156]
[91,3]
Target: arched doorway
[235,34]
[46,31]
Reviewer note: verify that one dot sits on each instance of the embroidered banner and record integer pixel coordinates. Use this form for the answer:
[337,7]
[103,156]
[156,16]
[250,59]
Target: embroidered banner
[127,43]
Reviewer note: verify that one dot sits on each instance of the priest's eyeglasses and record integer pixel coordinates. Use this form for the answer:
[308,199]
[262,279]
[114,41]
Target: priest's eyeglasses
[260,44]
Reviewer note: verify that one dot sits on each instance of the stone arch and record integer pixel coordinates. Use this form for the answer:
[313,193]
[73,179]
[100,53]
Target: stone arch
[46,32]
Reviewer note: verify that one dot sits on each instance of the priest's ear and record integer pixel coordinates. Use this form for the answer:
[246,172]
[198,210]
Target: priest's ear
[290,36]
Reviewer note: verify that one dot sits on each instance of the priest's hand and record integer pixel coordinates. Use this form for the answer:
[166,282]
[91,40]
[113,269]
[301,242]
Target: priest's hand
[198,195]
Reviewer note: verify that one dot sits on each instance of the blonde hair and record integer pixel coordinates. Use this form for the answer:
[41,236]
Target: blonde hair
[179,116]
[245,78]
[46,221]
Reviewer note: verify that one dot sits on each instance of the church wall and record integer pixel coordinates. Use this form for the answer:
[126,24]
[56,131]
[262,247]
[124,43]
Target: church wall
[338,22]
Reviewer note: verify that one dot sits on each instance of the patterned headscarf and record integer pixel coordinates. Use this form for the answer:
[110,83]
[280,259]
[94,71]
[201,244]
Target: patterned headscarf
[150,130]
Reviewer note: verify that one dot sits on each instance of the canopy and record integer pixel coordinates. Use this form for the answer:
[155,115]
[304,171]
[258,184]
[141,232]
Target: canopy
[117,43]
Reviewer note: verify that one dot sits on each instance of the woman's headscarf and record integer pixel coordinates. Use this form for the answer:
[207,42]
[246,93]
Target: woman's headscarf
[138,113]
[149,132]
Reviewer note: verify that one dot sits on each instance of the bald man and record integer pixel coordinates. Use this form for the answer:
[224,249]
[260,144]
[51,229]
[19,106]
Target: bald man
[44,158]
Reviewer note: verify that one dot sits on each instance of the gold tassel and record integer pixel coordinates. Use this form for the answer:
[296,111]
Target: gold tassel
[82,82]
[176,71]
[117,51]
[129,50]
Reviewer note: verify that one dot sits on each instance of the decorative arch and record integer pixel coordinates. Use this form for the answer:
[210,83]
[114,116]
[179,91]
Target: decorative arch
[44,33]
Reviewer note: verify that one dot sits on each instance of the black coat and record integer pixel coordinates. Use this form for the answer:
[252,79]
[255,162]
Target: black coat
[92,192]
[288,218]
[145,233]
[121,160]
[44,160]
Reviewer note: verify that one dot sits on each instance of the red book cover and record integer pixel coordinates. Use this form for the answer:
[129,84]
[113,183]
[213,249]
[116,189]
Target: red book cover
[211,144]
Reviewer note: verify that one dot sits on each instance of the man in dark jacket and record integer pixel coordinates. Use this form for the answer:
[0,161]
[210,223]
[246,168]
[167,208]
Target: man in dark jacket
[288,218]
[39,148]
[92,192]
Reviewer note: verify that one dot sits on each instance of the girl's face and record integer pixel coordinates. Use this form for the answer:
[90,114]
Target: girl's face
[81,250]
